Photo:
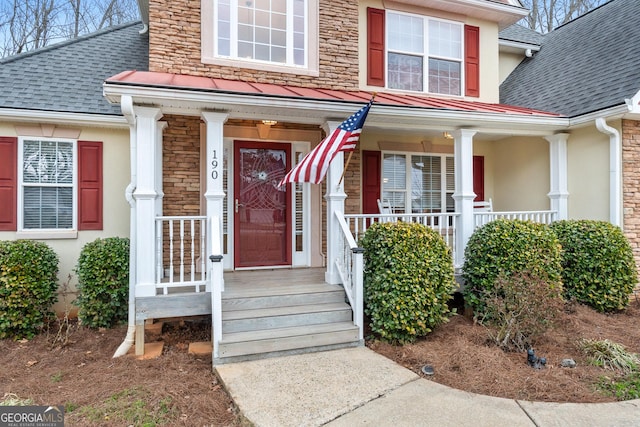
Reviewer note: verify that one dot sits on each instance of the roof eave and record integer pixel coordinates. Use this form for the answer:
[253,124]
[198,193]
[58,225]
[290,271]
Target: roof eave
[76,119]
[502,13]
[317,111]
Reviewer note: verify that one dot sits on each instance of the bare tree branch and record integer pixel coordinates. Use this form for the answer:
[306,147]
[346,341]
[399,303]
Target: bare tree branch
[32,24]
[546,15]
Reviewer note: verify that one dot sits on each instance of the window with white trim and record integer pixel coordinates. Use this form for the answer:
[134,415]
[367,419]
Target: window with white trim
[418,183]
[424,54]
[269,31]
[47,184]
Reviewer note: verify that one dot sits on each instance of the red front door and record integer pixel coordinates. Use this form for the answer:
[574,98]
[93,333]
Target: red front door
[262,225]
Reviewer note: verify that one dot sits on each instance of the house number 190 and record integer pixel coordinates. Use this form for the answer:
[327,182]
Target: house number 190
[214,166]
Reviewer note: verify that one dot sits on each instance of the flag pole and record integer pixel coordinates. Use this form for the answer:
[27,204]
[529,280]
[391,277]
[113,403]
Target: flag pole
[346,165]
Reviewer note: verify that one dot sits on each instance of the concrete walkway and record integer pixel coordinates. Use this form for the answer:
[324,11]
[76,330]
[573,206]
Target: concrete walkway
[356,386]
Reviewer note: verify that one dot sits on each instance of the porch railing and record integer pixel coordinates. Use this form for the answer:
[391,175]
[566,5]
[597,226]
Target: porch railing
[180,253]
[443,223]
[543,217]
[350,266]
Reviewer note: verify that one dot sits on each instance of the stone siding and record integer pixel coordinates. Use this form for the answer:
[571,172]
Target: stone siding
[631,183]
[181,166]
[175,47]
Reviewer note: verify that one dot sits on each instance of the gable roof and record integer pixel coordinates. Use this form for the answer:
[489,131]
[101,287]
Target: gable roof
[586,65]
[68,76]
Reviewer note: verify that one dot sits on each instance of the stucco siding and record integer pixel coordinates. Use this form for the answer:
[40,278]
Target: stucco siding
[507,63]
[520,174]
[588,180]
[116,177]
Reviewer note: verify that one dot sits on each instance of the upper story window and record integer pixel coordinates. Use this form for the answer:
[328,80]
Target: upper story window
[264,30]
[422,54]
[47,184]
[273,35]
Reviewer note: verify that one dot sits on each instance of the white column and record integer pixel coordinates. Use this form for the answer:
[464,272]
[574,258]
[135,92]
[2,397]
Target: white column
[147,164]
[558,193]
[214,193]
[159,172]
[335,197]
[463,195]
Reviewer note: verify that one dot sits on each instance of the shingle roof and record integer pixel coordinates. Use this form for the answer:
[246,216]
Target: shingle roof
[518,33]
[587,65]
[68,76]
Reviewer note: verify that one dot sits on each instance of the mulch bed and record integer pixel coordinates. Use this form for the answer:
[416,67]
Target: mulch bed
[462,357]
[184,391]
[178,388]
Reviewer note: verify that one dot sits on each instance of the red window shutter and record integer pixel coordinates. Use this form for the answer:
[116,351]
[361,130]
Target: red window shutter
[8,184]
[478,178]
[375,46]
[89,185]
[472,60]
[371,181]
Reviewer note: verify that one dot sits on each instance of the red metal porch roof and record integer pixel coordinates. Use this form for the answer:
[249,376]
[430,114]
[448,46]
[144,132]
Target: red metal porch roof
[180,81]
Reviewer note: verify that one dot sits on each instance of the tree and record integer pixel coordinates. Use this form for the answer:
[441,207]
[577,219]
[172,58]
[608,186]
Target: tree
[548,14]
[31,24]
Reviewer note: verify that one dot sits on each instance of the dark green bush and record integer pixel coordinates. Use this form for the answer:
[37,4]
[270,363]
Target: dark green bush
[505,248]
[408,280]
[28,285]
[598,265]
[103,282]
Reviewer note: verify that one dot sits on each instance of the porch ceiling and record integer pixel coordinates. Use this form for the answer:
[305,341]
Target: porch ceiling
[185,94]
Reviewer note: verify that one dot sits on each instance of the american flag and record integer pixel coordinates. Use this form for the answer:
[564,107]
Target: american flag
[313,167]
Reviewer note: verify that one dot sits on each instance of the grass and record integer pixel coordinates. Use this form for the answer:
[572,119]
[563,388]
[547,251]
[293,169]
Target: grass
[11,399]
[626,388]
[614,356]
[609,355]
[130,407]
[57,377]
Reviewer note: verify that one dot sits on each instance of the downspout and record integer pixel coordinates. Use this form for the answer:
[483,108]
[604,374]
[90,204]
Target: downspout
[126,104]
[615,170]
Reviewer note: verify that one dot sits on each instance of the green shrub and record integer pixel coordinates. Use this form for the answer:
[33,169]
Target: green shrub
[103,282]
[408,280]
[506,248]
[520,309]
[598,265]
[28,284]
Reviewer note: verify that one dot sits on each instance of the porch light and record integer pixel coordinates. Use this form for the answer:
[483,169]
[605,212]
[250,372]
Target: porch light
[447,135]
[264,128]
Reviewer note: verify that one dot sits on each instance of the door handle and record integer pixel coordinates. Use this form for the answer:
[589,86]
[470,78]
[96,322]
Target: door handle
[238,205]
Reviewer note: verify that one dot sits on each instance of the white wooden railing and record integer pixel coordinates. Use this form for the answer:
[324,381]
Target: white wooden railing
[443,223]
[350,266]
[180,252]
[217,284]
[543,217]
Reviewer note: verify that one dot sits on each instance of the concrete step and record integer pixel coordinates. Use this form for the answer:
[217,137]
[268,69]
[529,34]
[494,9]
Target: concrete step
[283,317]
[250,343]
